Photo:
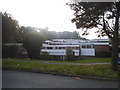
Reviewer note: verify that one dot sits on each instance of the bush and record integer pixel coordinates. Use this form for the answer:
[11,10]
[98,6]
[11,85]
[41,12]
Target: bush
[44,55]
[9,51]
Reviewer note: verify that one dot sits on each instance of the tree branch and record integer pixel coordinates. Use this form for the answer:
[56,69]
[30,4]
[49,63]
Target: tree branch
[104,28]
[109,26]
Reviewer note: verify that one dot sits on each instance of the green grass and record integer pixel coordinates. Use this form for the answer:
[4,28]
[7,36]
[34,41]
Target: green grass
[82,60]
[23,59]
[87,70]
[86,60]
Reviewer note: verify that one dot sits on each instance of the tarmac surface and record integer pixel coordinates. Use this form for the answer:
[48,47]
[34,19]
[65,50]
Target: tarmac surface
[18,79]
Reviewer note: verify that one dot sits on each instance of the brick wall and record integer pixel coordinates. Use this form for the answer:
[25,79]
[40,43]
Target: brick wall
[102,51]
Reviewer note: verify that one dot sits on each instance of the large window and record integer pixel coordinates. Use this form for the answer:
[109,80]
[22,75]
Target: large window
[63,47]
[87,46]
[83,46]
[75,48]
[59,47]
[49,47]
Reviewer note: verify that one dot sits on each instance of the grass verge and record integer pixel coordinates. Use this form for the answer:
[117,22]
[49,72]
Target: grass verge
[82,60]
[24,59]
[86,60]
[102,71]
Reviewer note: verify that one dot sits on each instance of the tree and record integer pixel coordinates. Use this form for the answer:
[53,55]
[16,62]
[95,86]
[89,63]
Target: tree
[119,39]
[76,35]
[44,55]
[10,28]
[32,41]
[9,51]
[102,15]
[69,54]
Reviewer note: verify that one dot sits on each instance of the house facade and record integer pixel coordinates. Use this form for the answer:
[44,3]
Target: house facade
[81,48]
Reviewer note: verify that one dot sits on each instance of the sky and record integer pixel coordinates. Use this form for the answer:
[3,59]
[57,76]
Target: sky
[54,14]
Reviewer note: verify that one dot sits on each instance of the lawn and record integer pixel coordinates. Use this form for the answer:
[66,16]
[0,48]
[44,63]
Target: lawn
[24,59]
[82,60]
[87,60]
[103,71]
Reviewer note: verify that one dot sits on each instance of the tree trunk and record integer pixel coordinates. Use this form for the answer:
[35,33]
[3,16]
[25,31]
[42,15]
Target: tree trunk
[114,62]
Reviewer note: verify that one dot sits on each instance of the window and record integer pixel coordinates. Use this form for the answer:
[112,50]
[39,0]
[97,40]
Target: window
[83,46]
[59,47]
[63,47]
[69,48]
[51,48]
[88,46]
[46,43]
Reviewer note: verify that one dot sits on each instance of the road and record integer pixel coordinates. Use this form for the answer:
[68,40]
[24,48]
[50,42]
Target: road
[18,79]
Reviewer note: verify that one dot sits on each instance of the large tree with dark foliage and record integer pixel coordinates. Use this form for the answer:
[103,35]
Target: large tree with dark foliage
[10,28]
[103,15]
[119,39]
[10,33]
[61,35]
[32,41]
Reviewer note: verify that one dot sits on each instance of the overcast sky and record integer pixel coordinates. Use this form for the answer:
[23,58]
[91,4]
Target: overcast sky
[54,14]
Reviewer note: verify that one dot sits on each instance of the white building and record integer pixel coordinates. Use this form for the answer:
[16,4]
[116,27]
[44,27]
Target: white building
[57,47]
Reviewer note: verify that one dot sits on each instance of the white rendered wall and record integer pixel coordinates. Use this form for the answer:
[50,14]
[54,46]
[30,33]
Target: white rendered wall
[87,52]
[46,45]
[61,52]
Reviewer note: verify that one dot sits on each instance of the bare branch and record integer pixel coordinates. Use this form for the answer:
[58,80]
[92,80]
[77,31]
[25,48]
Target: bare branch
[104,28]
[109,26]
